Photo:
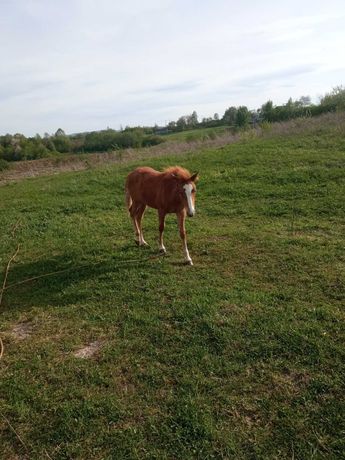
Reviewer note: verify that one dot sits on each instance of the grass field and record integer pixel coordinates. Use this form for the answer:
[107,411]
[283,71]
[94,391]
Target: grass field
[196,134]
[239,357]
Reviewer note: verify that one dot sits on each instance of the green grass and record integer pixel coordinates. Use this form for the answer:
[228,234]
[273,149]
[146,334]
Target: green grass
[241,356]
[196,134]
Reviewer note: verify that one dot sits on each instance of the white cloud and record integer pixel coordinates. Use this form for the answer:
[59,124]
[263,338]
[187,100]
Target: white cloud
[87,64]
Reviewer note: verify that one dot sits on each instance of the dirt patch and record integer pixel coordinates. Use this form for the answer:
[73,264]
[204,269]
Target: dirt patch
[89,350]
[22,330]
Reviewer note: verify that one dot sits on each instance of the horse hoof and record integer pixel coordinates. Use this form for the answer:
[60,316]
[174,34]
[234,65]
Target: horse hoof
[189,262]
[162,251]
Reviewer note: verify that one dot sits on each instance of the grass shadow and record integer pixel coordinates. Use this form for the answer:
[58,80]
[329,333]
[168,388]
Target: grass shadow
[64,280]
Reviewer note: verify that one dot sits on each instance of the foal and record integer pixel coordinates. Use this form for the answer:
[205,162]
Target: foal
[170,191]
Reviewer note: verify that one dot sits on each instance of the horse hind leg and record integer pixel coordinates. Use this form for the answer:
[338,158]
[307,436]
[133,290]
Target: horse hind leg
[128,200]
[161,216]
[139,216]
[133,213]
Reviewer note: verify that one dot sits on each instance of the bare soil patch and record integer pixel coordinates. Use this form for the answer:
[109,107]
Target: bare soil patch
[22,330]
[89,350]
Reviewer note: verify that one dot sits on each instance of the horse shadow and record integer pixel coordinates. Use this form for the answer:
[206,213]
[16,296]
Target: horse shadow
[48,282]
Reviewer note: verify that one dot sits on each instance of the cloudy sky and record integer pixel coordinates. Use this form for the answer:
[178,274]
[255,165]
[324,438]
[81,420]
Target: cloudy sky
[88,64]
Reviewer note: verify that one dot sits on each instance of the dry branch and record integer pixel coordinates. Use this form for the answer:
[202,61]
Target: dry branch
[3,289]
[14,431]
[15,228]
[6,272]
[1,348]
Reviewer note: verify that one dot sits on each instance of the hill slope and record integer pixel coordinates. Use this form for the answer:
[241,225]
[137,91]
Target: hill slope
[240,356]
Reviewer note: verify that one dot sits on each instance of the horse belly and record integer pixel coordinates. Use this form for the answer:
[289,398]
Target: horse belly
[150,197]
[143,188]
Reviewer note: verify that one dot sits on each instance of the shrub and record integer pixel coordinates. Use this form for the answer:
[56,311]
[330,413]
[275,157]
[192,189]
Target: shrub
[148,141]
[3,164]
[212,135]
[335,100]
[62,144]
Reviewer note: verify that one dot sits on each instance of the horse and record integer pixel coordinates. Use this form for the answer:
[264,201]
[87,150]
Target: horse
[170,191]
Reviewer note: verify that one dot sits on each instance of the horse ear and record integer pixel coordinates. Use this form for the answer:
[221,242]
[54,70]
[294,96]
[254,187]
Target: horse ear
[194,177]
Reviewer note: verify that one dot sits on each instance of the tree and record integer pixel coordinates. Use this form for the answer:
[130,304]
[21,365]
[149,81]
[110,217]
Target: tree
[181,123]
[304,101]
[229,116]
[172,125]
[194,119]
[62,143]
[266,111]
[335,100]
[242,117]
[60,132]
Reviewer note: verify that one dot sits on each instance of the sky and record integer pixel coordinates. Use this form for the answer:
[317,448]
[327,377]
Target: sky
[84,65]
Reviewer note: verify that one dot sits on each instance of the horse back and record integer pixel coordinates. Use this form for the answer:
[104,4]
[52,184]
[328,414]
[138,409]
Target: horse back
[144,185]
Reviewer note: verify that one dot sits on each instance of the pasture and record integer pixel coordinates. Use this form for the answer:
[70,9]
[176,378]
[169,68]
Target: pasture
[241,356]
[196,134]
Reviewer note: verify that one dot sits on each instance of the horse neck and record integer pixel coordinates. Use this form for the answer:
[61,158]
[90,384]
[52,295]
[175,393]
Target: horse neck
[170,195]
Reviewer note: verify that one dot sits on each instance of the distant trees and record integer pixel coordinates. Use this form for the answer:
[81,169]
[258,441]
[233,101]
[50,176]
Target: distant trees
[109,139]
[18,147]
[333,101]
[237,117]
[60,132]
[266,111]
[229,117]
[292,109]
[61,142]
[242,117]
[185,122]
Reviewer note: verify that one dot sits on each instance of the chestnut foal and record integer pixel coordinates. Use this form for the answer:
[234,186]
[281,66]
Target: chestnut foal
[170,191]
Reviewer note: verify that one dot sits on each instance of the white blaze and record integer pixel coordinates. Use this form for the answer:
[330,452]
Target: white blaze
[188,189]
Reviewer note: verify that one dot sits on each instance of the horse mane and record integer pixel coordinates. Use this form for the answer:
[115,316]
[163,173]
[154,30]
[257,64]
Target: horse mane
[179,172]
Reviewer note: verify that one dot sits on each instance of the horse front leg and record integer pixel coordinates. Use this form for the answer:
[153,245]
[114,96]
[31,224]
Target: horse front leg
[181,219]
[161,216]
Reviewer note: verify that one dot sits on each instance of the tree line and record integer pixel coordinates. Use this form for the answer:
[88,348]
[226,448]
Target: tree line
[18,147]
[241,117]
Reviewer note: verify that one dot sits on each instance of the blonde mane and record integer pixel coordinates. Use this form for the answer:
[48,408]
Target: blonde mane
[179,172]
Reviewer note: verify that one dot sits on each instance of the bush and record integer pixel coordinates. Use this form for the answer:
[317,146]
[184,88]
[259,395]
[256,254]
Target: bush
[334,100]
[62,144]
[192,137]
[149,141]
[3,164]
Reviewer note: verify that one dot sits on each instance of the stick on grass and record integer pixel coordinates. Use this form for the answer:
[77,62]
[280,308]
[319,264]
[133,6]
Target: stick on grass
[6,272]
[2,291]
[14,431]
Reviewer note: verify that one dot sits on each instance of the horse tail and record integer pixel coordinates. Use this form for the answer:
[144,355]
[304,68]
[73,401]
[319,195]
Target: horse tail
[128,199]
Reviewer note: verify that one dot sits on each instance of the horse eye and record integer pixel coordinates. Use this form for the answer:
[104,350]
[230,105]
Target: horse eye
[193,191]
